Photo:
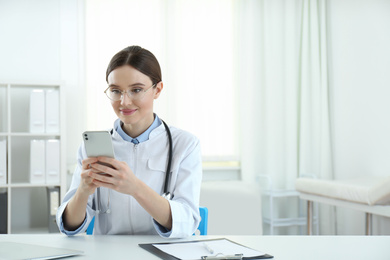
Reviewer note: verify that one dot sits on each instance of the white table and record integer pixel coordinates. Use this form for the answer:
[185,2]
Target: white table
[282,247]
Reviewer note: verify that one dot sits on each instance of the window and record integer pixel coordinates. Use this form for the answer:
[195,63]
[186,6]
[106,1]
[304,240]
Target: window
[193,41]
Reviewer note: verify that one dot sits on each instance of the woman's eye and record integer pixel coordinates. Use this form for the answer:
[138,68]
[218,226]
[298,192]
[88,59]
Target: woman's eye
[116,91]
[136,90]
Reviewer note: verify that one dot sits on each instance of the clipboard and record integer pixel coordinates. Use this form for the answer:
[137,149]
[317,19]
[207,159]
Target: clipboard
[169,250]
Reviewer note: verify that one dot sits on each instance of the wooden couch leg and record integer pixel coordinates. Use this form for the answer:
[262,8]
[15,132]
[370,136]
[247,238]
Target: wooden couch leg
[368,224]
[309,217]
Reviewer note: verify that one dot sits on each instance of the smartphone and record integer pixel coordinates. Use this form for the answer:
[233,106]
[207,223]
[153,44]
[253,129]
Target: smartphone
[98,143]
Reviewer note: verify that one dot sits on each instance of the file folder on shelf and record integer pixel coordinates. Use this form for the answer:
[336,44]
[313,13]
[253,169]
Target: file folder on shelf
[37,111]
[53,198]
[3,161]
[52,161]
[52,108]
[3,211]
[37,161]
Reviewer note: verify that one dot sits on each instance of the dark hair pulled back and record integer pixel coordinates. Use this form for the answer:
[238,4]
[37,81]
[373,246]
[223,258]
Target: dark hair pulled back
[139,58]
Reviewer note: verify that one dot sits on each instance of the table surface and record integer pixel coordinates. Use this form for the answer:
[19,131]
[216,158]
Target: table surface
[281,247]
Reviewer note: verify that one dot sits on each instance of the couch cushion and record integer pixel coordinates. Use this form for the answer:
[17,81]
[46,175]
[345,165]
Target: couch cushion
[366,190]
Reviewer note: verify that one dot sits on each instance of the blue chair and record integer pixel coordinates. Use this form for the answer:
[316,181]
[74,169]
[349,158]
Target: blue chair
[204,216]
[204,219]
[91,226]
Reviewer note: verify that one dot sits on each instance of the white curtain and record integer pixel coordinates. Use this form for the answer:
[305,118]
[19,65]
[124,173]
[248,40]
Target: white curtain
[284,93]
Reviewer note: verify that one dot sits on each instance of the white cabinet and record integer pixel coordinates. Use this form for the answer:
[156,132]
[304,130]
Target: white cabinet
[26,206]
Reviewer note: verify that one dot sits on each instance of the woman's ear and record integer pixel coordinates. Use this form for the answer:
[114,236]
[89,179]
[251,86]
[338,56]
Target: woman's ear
[159,88]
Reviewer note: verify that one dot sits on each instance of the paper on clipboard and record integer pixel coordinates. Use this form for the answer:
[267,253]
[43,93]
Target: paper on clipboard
[197,249]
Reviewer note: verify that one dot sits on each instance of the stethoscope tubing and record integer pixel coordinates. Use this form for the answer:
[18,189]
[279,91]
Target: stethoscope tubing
[170,154]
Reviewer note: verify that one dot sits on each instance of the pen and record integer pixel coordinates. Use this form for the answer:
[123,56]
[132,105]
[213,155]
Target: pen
[211,251]
[222,257]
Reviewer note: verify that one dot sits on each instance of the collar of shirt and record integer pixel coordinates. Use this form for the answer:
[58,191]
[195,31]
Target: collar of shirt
[142,137]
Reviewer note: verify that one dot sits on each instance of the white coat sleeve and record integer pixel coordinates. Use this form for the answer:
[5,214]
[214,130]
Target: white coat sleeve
[72,190]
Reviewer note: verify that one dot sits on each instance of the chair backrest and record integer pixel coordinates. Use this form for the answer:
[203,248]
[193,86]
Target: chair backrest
[204,217]
[91,226]
[204,220]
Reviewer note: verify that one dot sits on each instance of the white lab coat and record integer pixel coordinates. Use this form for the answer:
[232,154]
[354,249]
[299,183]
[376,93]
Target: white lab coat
[148,161]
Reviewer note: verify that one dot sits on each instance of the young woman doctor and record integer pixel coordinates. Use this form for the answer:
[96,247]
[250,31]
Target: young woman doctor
[128,198]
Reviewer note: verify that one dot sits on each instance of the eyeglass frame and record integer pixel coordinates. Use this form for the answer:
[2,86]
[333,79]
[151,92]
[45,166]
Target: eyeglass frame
[127,92]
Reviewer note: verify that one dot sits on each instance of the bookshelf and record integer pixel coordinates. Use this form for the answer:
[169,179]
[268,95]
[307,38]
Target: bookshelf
[28,204]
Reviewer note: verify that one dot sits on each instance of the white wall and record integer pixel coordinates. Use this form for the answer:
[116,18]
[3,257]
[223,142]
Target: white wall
[30,40]
[41,41]
[359,78]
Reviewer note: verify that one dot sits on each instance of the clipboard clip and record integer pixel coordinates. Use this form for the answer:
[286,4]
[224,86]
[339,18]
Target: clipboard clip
[222,257]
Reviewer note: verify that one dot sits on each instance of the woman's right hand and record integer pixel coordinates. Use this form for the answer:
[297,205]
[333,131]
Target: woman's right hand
[74,213]
[86,184]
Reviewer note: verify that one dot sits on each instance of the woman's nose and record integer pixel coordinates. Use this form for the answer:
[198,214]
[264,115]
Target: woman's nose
[126,99]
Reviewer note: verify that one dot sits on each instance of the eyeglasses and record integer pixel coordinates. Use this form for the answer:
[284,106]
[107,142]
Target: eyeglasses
[135,93]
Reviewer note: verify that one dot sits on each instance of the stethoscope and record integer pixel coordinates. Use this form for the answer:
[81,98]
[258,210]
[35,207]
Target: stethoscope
[166,194]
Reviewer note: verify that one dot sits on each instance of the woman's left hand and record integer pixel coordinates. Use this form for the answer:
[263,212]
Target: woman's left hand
[119,177]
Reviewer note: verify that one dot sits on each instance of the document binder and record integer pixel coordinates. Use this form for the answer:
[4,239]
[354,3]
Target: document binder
[52,168]
[3,211]
[52,108]
[53,198]
[37,111]
[197,250]
[37,161]
[3,162]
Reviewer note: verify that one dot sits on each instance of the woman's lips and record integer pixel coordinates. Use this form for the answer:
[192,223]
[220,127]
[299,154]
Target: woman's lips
[127,112]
